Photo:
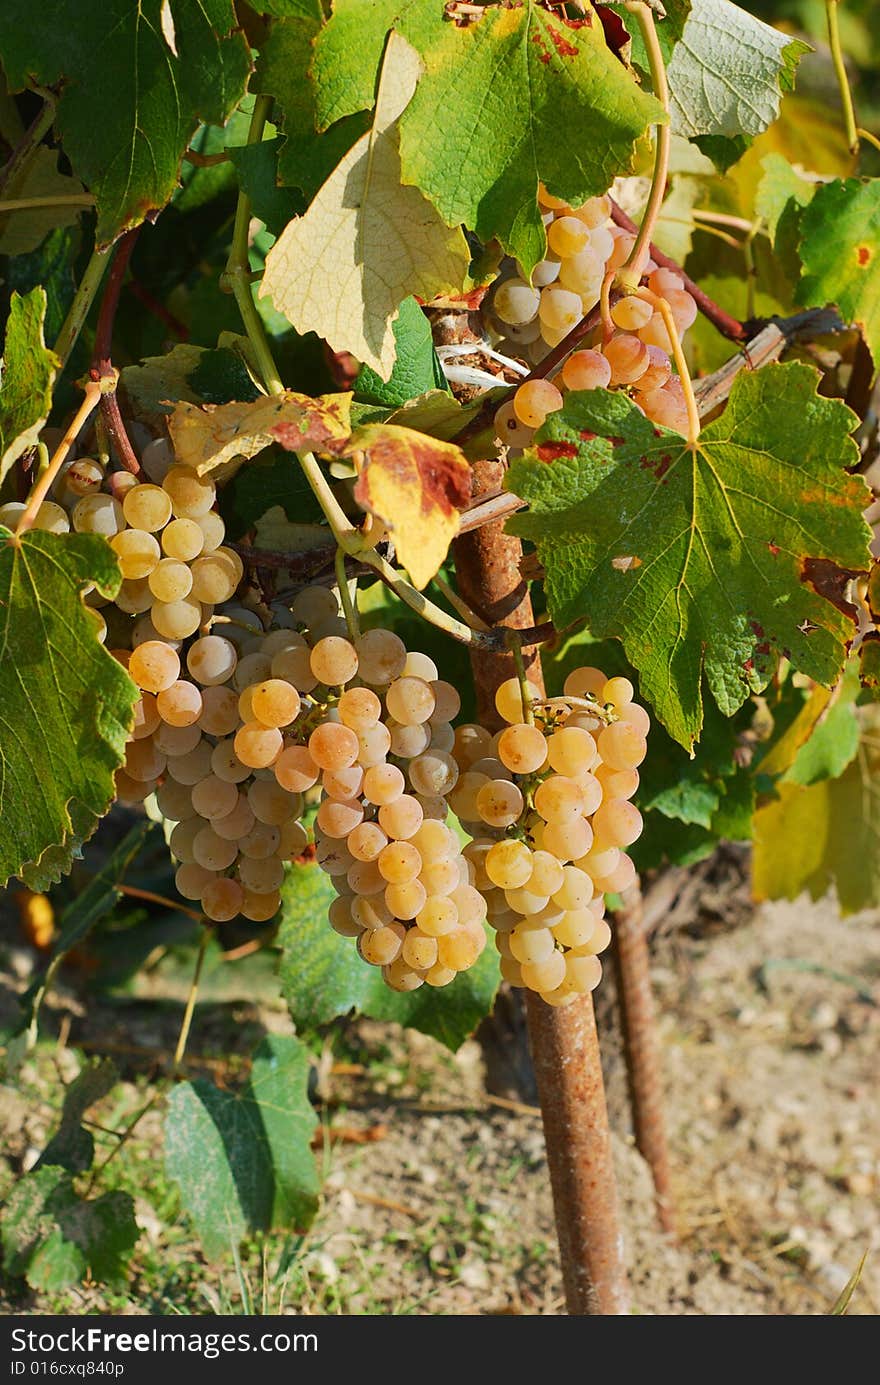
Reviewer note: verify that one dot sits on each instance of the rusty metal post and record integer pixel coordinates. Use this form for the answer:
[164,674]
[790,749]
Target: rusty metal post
[564,1042]
[642,1046]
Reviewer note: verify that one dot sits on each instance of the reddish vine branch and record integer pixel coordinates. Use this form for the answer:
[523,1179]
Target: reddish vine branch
[101,359]
[727,325]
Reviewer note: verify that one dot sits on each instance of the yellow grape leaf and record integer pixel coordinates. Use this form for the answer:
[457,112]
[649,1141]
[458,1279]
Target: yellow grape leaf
[366,242]
[416,485]
[783,754]
[828,833]
[208,436]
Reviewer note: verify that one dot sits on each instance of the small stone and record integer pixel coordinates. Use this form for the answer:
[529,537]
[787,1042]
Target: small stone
[29,1158]
[858,1183]
[473,1274]
[824,1015]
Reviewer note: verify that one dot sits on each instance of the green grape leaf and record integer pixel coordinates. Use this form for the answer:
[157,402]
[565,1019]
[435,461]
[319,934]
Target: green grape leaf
[416,367]
[66,705]
[348,51]
[508,101]
[840,252]
[728,72]
[244,1161]
[53,1238]
[833,739]
[323,977]
[50,267]
[27,374]
[366,242]
[287,9]
[222,375]
[306,157]
[257,169]
[828,833]
[72,1146]
[128,153]
[276,479]
[23,230]
[780,188]
[713,560]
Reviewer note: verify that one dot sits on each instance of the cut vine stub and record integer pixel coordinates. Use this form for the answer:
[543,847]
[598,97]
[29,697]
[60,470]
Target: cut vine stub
[564,1042]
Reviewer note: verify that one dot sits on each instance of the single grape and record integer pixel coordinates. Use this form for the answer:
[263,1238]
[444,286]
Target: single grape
[617,823]
[334,661]
[560,309]
[147,507]
[586,370]
[137,551]
[383,784]
[177,619]
[154,666]
[190,495]
[333,746]
[621,746]
[258,746]
[523,749]
[534,400]
[359,708]
[508,428]
[180,704]
[515,302]
[222,899]
[629,314]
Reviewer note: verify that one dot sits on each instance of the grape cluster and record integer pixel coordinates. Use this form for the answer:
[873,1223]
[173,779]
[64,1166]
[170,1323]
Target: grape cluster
[547,802]
[584,245]
[382,753]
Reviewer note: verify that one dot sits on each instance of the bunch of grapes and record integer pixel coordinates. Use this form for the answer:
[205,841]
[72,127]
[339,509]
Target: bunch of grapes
[547,802]
[382,753]
[584,245]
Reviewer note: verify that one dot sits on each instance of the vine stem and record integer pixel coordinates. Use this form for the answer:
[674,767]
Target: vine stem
[27,204]
[101,362]
[237,276]
[93,392]
[173,904]
[515,642]
[29,143]
[837,59]
[79,308]
[191,998]
[349,606]
[662,307]
[629,275]
[866,134]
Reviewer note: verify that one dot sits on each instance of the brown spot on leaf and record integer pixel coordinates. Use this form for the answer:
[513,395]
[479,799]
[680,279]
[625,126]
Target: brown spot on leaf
[552,451]
[863,255]
[774,548]
[830,582]
[617,441]
[587,435]
[537,38]
[562,45]
[626,563]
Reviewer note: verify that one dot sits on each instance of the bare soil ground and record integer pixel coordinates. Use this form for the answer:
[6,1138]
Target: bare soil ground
[436,1197]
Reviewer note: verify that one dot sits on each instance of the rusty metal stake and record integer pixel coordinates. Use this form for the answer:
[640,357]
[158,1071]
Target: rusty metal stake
[642,1045]
[564,1042]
